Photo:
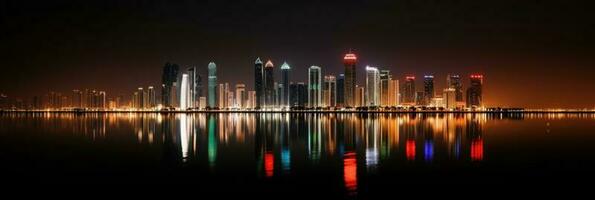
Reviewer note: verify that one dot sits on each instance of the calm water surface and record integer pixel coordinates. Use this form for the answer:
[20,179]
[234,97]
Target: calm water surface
[340,154]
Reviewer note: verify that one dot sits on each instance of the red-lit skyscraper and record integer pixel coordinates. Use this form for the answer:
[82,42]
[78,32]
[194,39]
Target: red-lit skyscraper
[474,92]
[350,60]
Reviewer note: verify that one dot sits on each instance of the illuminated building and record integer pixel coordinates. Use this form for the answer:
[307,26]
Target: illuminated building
[393,93]
[169,83]
[474,92]
[350,60]
[420,98]
[230,101]
[454,81]
[437,102]
[269,84]
[330,91]
[152,101]
[259,83]
[102,99]
[298,96]
[212,85]
[385,78]
[251,102]
[409,91]
[372,86]
[202,102]
[221,96]
[241,96]
[359,96]
[184,93]
[77,99]
[428,89]
[285,69]
[192,92]
[314,87]
[341,90]
[141,99]
[449,98]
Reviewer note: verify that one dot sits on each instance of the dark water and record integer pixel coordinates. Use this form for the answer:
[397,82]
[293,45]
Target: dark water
[340,154]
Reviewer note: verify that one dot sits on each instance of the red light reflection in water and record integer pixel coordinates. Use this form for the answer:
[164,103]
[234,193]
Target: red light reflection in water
[269,163]
[350,172]
[410,149]
[477,149]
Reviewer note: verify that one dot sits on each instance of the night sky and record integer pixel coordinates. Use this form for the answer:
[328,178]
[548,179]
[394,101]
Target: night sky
[532,53]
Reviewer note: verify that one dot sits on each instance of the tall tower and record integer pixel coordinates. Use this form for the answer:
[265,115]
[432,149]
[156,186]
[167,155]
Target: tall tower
[169,79]
[350,60]
[454,81]
[241,96]
[285,68]
[385,78]
[191,87]
[259,83]
[185,93]
[314,87]
[428,89]
[212,84]
[474,92]
[372,86]
[330,91]
[409,90]
[341,90]
[269,84]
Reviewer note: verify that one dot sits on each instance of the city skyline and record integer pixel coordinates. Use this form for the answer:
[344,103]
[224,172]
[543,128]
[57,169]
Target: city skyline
[520,53]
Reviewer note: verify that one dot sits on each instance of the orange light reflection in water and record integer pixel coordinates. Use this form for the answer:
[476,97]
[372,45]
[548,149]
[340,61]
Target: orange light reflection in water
[350,172]
[477,149]
[269,164]
[410,149]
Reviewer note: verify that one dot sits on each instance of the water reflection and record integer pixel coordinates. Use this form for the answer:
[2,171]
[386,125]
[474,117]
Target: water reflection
[279,145]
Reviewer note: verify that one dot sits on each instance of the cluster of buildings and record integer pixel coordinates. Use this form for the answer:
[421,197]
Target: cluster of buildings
[183,90]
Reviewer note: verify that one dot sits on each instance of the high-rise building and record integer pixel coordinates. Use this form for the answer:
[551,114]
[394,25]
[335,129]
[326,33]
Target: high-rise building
[420,98]
[428,89]
[269,84]
[329,91]
[251,103]
[341,90]
[449,98]
[350,60]
[259,83]
[169,83]
[474,92]
[454,81]
[372,86]
[221,96]
[285,70]
[212,85]
[314,87]
[360,96]
[385,78]
[241,96]
[202,102]
[185,93]
[141,98]
[298,96]
[393,93]
[152,101]
[102,100]
[192,92]
[409,91]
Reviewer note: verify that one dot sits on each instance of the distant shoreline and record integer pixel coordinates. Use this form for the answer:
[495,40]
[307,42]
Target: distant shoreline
[306,111]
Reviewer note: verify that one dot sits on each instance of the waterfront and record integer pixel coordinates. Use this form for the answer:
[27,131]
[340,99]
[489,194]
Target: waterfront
[347,154]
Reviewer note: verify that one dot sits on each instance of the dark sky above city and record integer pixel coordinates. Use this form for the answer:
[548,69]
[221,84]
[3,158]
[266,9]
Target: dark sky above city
[533,53]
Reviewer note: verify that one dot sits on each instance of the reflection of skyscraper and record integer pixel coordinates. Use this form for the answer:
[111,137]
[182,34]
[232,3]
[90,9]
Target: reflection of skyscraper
[212,85]
[372,86]
[474,92]
[454,81]
[259,83]
[314,87]
[269,84]
[285,68]
[350,61]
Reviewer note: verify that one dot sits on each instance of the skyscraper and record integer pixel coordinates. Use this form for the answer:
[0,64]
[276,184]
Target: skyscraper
[393,93]
[372,86]
[454,81]
[360,96]
[474,92]
[269,84]
[385,78]
[285,69]
[241,96]
[350,60]
[341,90]
[151,97]
[185,93]
[141,98]
[192,92]
[314,87]
[409,91]
[449,98]
[221,96]
[259,83]
[330,91]
[428,89]
[212,85]
[169,84]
